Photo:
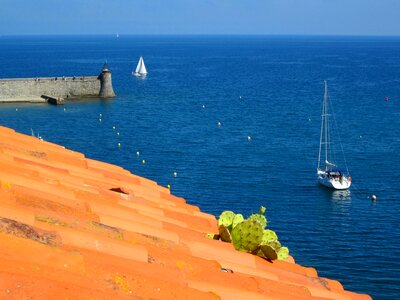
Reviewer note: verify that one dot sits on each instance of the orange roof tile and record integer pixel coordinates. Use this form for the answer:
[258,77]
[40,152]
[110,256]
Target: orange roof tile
[76,228]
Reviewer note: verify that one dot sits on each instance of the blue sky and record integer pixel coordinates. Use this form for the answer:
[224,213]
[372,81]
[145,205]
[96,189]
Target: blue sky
[321,17]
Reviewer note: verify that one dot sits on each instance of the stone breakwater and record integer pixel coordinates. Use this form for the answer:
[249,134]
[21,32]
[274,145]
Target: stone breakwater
[32,89]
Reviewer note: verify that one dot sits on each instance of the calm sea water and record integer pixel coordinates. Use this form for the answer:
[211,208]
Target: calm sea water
[268,88]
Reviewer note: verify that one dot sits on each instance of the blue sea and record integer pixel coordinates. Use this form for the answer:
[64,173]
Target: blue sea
[268,88]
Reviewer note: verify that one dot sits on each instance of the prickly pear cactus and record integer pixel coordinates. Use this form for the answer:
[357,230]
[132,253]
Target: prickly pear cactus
[237,219]
[224,234]
[226,219]
[268,252]
[269,236]
[247,235]
[283,253]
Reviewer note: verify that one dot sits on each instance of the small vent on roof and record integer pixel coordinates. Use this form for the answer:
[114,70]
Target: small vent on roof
[118,190]
[226,270]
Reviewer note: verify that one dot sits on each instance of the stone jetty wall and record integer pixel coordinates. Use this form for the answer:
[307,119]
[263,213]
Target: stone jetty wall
[31,89]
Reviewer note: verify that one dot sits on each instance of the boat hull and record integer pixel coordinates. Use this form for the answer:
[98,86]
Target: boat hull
[342,183]
[139,74]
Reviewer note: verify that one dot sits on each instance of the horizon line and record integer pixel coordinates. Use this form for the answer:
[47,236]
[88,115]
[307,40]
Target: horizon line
[197,34]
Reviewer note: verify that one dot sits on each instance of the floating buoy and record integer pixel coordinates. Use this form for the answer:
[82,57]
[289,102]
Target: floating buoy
[168,186]
[16,109]
[373,198]
[119,145]
[101,115]
[117,133]
[249,138]
[387,99]
[219,124]
[114,127]
[175,174]
[99,120]
[65,109]
[204,106]
[240,97]
[137,153]
[143,161]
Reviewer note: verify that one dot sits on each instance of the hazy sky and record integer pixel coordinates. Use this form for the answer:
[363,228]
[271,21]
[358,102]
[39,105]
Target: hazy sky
[342,17]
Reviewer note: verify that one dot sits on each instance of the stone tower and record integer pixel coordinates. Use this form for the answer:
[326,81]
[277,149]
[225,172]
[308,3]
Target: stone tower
[106,89]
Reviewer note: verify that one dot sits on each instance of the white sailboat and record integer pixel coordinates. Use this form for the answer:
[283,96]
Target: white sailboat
[328,172]
[140,68]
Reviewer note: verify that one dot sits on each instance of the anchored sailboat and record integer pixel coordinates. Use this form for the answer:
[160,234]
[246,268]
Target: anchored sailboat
[140,68]
[329,174]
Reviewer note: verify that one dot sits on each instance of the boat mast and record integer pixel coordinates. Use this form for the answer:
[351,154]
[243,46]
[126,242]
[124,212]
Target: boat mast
[326,122]
[322,128]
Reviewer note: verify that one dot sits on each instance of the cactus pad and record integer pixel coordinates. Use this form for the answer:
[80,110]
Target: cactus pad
[224,234]
[237,219]
[212,236]
[274,244]
[259,218]
[226,218]
[268,252]
[283,253]
[247,235]
[269,236]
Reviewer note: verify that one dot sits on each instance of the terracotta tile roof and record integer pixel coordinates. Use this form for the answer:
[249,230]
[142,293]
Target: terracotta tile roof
[76,228]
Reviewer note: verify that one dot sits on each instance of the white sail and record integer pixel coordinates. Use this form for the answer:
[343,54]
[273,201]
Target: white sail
[141,68]
[138,65]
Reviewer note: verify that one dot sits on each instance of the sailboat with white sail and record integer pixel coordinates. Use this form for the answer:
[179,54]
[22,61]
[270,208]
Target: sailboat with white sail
[140,68]
[329,174]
